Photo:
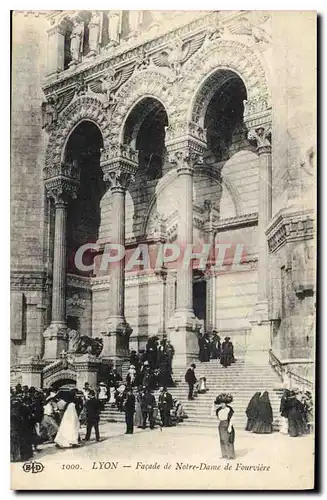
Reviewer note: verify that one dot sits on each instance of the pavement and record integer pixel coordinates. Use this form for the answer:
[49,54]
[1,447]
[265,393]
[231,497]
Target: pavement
[173,458]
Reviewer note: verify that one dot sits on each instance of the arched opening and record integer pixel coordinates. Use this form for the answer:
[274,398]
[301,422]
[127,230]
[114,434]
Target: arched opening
[145,131]
[63,384]
[83,147]
[223,116]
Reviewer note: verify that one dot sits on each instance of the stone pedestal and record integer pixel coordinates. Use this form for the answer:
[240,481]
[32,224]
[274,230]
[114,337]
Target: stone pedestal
[184,330]
[87,368]
[31,371]
[56,49]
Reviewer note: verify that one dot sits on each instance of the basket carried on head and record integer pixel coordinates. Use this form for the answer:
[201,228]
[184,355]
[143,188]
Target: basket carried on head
[223,397]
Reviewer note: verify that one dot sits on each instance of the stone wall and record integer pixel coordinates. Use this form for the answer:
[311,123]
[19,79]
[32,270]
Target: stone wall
[28,204]
[291,231]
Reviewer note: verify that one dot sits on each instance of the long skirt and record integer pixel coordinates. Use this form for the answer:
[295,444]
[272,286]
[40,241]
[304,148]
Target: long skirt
[262,427]
[283,425]
[68,432]
[250,424]
[138,416]
[226,440]
[295,426]
[48,428]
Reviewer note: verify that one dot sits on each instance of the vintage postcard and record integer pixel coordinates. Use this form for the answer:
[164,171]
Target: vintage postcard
[163,250]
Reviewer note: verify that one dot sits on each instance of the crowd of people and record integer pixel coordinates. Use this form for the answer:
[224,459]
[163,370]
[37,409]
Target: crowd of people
[152,367]
[48,416]
[213,348]
[296,409]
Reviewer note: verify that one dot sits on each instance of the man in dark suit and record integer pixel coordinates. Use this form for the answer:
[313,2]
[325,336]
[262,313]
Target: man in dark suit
[129,408]
[165,404]
[93,408]
[190,378]
[148,404]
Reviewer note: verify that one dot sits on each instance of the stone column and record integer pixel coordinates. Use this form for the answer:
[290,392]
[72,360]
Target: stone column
[184,326]
[56,334]
[260,338]
[262,137]
[56,49]
[210,274]
[118,173]
[162,275]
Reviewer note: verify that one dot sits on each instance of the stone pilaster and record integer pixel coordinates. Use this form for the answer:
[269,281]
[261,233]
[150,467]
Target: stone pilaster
[260,338]
[119,166]
[56,49]
[60,191]
[183,325]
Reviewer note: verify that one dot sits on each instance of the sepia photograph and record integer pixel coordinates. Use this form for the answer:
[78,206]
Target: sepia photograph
[163,204]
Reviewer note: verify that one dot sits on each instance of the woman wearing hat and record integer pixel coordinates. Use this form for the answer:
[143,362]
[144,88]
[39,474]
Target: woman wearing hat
[226,430]
[49,426]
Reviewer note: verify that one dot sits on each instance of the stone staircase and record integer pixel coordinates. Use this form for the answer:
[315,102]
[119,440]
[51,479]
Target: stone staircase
[242,379]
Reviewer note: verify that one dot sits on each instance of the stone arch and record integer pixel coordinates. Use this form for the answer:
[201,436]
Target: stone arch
[227,55]
[61,375]
[147,83]
[84,108]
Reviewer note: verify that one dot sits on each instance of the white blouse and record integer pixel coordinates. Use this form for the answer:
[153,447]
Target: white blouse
[223,414]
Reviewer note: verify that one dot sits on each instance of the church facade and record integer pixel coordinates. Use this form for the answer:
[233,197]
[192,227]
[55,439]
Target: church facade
[149,131]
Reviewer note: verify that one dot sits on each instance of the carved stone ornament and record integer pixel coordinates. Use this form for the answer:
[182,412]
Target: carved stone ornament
[184,160]
[61,191]
[118,178]
[84,107]
[75,301]
[261,137]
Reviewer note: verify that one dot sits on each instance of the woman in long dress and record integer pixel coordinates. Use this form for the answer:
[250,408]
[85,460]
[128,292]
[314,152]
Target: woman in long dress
[49,426]
[264,419]
[252,411]
[284,412]
[226,430]
[295,410]
[68,433]
[138,416]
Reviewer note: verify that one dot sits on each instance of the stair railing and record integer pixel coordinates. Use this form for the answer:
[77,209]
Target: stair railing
[288,376]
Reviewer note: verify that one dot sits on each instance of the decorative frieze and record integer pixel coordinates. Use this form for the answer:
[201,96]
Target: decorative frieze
[28,280]
[290,227]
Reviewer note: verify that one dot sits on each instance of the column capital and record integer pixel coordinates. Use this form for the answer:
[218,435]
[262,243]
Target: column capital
[61,191]
[118,179]
[185,152]
[261,136]
[119,165]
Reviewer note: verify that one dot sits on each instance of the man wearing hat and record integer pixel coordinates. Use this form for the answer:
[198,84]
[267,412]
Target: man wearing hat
[93,409]
[129,408]
[148,404]
[165,404]
[190,378]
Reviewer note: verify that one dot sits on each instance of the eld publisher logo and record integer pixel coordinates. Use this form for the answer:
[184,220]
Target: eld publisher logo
[33,467]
